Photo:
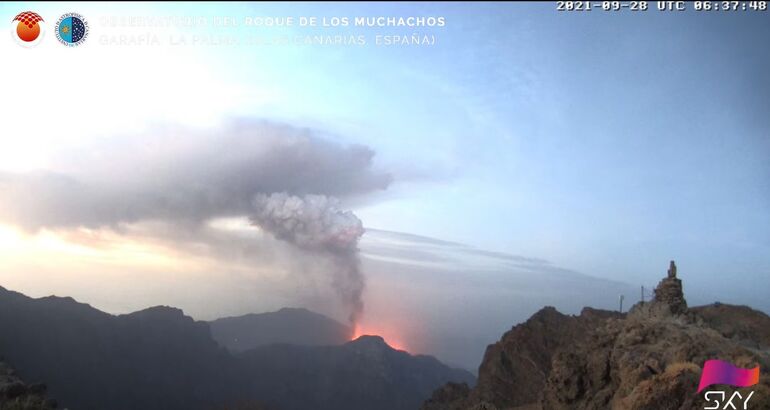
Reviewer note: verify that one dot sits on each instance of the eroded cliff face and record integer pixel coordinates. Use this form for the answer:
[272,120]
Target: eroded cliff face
[650,358]
[514,370]
[646,362]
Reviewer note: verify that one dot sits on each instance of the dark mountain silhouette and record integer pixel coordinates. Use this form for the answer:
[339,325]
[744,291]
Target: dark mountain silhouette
[159,358]
[648,359]
[363,374]
[152,359]
[288,325]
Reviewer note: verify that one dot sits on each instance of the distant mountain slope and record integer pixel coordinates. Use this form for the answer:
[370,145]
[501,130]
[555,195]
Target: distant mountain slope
[160,359]
[288,325]
[363,374]
[741,323]
[153,359]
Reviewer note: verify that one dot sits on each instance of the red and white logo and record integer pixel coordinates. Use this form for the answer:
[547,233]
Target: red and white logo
[28,28]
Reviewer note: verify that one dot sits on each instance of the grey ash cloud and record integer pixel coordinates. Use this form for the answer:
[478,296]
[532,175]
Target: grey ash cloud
[287,180]
[316,223]
[185,176]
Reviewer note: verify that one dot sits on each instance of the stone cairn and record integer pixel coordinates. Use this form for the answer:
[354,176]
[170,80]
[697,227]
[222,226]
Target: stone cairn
[669,293]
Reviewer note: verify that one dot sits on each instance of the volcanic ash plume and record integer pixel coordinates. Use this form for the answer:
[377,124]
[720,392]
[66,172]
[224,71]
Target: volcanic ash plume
[315,223]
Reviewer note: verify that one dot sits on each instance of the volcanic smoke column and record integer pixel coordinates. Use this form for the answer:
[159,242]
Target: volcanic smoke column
[315,223]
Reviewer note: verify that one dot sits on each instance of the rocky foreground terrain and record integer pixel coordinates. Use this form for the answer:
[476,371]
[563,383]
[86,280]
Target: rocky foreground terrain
[15,394]
[650,358]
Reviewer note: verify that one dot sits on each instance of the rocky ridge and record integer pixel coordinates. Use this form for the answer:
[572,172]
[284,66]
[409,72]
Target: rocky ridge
[650,358]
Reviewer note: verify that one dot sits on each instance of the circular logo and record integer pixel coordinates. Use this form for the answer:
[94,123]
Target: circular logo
[71,29]
[28,28]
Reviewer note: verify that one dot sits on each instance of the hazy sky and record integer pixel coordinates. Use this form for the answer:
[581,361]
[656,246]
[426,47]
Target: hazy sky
[604,143]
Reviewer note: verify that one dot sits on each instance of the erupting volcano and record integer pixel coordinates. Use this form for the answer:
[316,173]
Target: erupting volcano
[391,338]
[316,224]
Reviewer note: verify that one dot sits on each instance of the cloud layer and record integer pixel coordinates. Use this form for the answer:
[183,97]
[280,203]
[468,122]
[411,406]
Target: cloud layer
[173,188]
[185,176]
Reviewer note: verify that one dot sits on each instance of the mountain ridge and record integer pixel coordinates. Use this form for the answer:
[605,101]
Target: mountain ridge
[161,359]
[297,326]
[647,359]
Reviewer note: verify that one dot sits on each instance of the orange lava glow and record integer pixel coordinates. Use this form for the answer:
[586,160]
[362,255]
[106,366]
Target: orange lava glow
[391,337]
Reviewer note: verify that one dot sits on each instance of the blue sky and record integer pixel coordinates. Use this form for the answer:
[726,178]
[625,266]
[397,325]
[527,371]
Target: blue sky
[606,143]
